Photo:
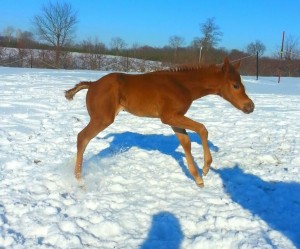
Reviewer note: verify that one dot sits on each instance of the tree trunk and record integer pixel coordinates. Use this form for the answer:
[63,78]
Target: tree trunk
[57,54]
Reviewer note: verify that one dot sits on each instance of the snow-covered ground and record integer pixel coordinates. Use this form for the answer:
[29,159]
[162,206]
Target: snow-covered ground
[138,193]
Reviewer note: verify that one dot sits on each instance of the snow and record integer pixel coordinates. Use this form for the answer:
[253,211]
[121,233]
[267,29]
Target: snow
[137,191]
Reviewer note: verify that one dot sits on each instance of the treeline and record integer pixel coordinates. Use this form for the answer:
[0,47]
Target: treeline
[95,55]
[53,46]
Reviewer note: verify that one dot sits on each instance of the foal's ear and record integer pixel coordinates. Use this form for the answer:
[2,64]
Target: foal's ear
[226,65]
[237,65]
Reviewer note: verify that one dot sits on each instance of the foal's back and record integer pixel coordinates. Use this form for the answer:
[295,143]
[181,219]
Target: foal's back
[147,95]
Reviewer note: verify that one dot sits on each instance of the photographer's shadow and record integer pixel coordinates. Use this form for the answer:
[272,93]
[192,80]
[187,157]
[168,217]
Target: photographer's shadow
[165,232]
[277,203]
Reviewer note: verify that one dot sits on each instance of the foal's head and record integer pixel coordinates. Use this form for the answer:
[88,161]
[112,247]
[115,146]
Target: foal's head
[232,88]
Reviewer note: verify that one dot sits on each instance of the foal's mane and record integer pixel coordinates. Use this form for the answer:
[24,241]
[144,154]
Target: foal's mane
[191,68]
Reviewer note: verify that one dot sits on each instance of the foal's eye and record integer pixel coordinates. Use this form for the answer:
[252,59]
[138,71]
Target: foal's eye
[236,86]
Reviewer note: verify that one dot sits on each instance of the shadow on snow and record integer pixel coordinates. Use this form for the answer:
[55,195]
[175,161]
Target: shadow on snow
[123,142]
[165,232]
[277,203]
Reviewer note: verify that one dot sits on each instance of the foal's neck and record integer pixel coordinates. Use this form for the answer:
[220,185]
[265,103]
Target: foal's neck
[202,84]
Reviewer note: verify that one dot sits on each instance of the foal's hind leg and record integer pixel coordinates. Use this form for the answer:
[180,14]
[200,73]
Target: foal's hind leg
[84,137]
[185,142]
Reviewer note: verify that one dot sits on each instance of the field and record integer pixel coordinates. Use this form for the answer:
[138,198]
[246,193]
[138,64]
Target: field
[138,192]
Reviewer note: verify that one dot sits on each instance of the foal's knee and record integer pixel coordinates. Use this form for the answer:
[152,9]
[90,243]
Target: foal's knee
[202,131]
[81,141]
[83,138]
[185,142]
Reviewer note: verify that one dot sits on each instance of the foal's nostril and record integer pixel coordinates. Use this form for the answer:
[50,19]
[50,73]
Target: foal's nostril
[249,107]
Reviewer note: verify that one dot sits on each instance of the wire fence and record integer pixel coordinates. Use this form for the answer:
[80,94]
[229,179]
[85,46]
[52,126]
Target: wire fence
[244,58]
[25,59]
[10,63]
[117,63]
[239,59]
[69,60]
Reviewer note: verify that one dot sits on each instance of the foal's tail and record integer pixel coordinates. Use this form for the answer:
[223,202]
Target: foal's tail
[69,94]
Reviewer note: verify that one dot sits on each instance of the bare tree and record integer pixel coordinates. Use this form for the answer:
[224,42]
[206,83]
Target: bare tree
[135,47]
[56,26]
[292,50]
[211,34]
[93,45]
[196,43]
[175,42]
[117,44]
[24,39]
[255,47]
[8,33]
[93,58]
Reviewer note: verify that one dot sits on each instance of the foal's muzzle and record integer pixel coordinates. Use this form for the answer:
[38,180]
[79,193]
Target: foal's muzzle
[248,107]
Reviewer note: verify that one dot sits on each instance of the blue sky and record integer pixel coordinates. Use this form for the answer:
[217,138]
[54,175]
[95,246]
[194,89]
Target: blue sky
[153,22]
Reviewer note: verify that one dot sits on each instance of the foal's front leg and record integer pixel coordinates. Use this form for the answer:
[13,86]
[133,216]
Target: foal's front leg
[185,142]
[183,122]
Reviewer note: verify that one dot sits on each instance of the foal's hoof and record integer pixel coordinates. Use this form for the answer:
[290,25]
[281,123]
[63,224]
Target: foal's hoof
[78,176]
[81,184]
[205,170]
[79,179]
[200,183]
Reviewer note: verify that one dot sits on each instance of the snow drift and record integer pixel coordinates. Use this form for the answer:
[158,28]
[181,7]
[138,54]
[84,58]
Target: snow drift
[138,192]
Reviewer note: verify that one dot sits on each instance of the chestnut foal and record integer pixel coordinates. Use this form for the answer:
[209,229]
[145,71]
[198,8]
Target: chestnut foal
[163,94]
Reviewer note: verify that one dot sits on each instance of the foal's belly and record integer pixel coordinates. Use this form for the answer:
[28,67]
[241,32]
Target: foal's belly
[142,108]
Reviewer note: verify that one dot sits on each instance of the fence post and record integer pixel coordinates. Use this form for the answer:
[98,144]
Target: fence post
[127,61]
[200,55]
[256,65]
[281,52]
